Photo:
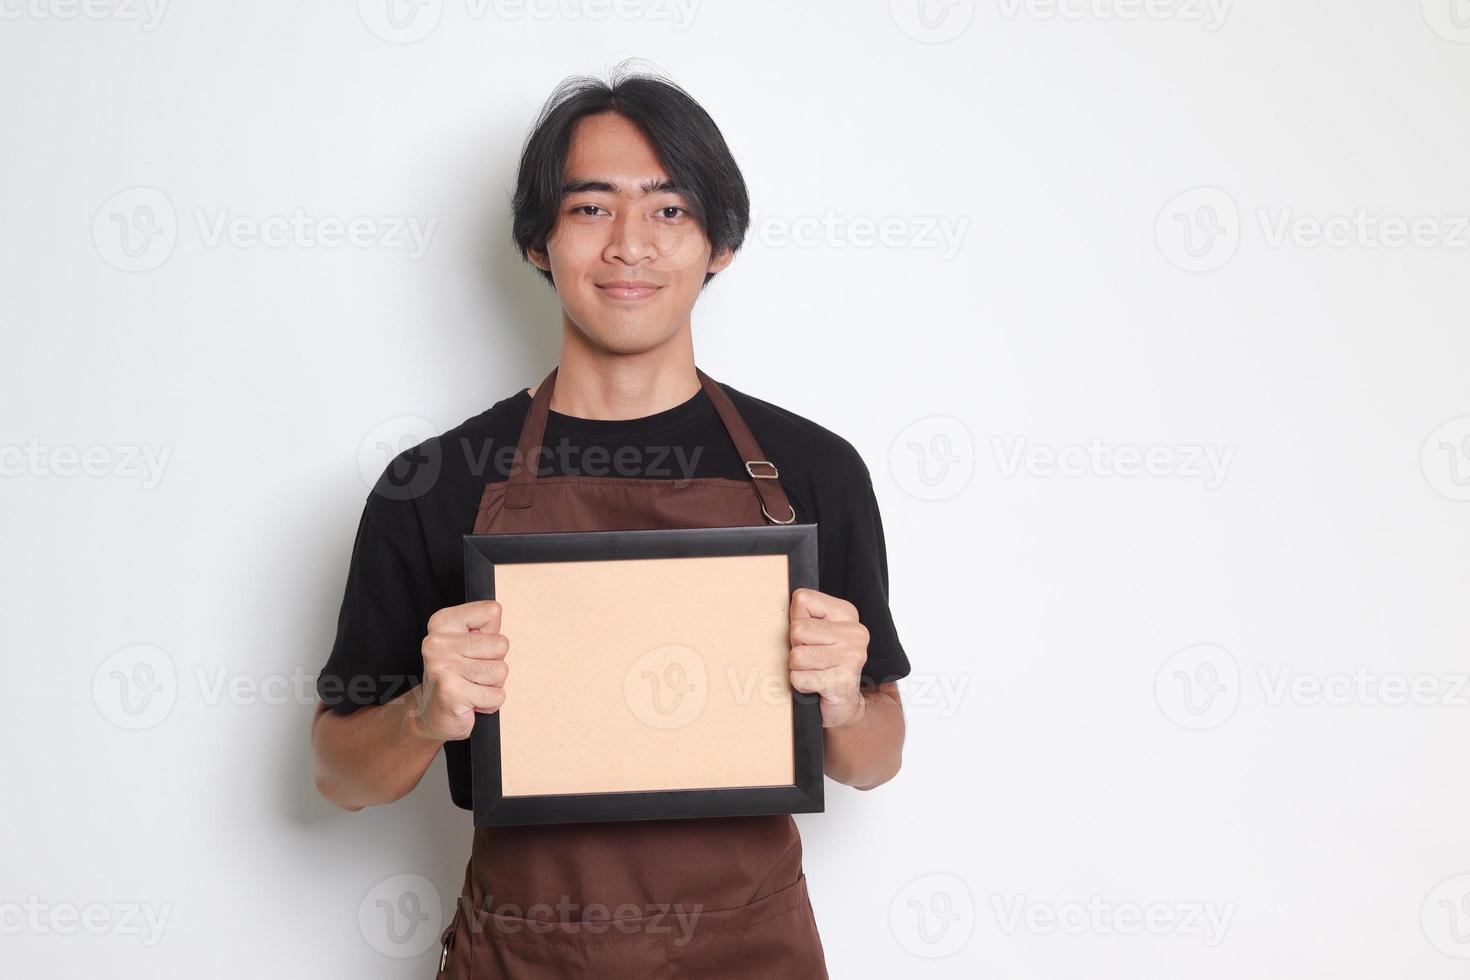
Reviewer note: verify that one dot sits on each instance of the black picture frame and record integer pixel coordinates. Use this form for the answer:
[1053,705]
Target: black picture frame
[798,542]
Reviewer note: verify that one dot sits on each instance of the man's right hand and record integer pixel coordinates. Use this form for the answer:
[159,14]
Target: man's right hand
[464,671]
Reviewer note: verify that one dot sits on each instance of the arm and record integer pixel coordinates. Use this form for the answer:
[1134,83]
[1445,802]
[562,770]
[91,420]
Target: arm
[378,753]
[869,751]
[862,729]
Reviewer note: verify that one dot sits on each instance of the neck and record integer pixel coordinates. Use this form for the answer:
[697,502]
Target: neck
[594,383]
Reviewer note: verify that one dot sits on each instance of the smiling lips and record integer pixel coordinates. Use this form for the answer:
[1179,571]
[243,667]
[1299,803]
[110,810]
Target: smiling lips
[628,289]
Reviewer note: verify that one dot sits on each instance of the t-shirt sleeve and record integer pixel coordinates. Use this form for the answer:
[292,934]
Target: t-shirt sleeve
[855,567]
[376,655]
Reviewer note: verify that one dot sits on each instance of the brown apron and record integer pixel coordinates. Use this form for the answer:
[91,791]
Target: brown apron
[713,898]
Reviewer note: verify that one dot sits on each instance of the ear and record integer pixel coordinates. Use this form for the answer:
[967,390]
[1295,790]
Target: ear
[720,260]
[539,259]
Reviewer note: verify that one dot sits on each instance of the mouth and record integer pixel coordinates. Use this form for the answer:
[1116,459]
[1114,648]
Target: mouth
[628,290]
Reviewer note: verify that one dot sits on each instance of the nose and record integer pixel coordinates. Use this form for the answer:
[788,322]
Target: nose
[631,238]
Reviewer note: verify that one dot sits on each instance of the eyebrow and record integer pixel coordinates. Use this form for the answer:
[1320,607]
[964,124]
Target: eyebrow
[653,185]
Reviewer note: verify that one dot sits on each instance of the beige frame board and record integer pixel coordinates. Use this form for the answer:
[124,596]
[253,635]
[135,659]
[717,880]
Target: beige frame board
[648,675]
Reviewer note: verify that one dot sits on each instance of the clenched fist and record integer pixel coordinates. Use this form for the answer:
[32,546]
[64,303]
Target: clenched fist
[829,647]
[464,670]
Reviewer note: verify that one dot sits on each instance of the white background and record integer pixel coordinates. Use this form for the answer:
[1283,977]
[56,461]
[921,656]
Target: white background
[1062,750]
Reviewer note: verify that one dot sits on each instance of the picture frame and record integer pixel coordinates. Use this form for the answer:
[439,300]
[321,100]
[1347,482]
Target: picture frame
[649,676]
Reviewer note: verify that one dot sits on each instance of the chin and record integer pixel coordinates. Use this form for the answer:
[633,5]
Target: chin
[630,334]
[619,340]
[624,344]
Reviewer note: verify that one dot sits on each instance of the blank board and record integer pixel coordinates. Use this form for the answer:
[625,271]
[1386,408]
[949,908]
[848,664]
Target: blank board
[654,673]
[648,675]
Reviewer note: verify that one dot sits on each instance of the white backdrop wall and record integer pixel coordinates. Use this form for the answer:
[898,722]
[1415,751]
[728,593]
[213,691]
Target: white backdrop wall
[1149,320]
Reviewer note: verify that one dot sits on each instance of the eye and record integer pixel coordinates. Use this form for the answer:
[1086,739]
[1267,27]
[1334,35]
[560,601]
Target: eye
[583,208]
[663,212]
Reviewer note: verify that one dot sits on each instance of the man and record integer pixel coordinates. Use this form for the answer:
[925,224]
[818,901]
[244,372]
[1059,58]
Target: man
[628,202]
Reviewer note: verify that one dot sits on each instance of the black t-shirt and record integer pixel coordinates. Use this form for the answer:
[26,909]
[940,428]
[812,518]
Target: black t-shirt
[407,561]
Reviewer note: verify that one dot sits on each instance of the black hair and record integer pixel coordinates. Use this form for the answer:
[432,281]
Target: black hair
[684,137]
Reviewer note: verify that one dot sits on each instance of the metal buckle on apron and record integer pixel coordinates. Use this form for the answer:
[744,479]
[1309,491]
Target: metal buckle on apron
[773,475]
[773,520]
[446,941]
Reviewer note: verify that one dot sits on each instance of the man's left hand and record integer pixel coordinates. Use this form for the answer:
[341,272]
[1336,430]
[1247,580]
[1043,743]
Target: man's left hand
[828,649]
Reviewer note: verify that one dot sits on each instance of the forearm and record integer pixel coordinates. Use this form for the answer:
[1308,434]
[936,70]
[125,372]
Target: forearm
[374,755]
[869,751]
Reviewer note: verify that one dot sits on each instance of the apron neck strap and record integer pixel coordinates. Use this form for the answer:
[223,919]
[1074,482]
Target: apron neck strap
[763,472]
[528,448]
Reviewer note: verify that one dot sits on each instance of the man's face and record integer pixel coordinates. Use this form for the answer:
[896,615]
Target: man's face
[616,225]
